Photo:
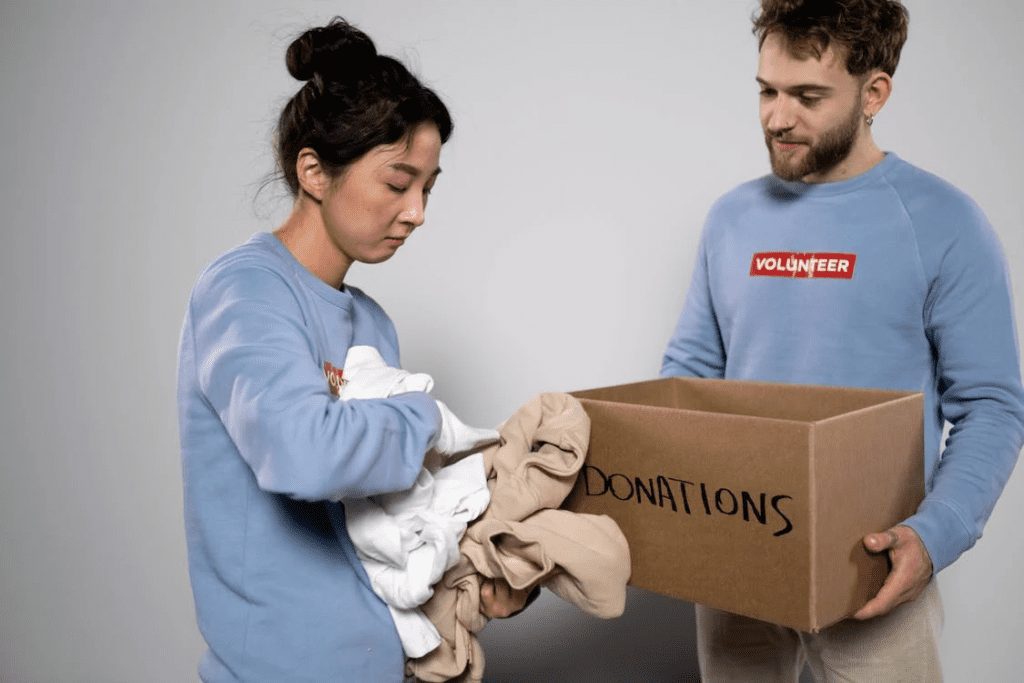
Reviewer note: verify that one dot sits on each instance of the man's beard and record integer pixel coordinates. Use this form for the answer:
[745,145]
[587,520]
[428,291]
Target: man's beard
[833,147]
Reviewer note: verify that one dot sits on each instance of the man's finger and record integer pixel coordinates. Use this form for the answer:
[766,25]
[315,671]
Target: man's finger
[888,597]
[880,542]
[893,591]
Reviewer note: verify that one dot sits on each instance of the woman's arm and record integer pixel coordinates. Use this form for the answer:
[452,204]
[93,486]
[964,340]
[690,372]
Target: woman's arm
[258,369]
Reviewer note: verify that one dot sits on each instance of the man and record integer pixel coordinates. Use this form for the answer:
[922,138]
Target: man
[848,266]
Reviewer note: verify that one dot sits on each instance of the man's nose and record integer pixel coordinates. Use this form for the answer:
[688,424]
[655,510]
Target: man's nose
[781,116]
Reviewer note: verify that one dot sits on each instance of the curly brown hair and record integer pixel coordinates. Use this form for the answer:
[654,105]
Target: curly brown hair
[872,32]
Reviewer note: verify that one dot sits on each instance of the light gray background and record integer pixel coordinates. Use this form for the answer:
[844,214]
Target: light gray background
[591,137]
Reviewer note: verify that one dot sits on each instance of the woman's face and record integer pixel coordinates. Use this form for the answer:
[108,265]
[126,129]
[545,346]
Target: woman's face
[374,205]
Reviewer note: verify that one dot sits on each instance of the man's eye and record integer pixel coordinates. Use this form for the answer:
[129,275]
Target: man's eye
[397,189]
[767,93]
[809,100]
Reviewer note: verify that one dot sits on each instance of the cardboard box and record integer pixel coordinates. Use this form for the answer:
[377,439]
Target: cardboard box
[753,497]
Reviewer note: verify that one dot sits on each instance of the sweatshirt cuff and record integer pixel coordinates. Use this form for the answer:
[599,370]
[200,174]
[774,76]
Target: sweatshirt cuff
[942,531]
[426,406]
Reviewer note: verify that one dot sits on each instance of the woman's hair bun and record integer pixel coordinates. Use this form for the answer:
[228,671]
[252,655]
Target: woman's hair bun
[352,101]
[336,51]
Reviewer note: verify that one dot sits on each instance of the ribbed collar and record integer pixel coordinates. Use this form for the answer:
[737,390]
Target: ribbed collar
[339,297]
[802,189]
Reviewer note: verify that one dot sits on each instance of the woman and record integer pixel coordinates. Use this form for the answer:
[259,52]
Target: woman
[266,447]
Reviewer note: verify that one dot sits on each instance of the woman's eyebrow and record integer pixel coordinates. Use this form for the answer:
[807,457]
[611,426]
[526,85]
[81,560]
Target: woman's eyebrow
[410,169]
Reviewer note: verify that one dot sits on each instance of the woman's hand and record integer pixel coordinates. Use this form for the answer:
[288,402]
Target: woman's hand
[499,600]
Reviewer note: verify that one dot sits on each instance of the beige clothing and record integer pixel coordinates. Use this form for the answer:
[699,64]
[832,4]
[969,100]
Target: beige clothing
[899,647]
[583,559]
[543,447]
[525,540]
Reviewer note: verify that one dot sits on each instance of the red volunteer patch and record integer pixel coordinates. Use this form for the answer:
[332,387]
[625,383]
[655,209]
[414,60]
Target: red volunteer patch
[335,378]
[803,265]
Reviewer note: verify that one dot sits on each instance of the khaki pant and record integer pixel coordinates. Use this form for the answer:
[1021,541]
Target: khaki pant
[899,646]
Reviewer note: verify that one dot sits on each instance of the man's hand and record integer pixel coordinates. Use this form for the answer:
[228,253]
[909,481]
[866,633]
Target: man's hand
[909,573]
[499,600]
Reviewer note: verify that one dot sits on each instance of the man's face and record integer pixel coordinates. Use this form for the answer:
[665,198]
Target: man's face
[811,112]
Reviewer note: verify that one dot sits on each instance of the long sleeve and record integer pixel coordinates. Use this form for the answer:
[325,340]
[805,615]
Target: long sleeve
[258,368]
[696,348]
[969,322]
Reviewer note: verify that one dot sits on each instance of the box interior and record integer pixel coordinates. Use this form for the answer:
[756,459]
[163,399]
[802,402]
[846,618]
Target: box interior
[802,403]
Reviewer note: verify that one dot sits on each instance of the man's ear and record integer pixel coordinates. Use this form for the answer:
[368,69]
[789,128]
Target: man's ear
[877,88]
[313,177]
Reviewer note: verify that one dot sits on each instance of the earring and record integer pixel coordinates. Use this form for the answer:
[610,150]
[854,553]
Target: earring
[869,119]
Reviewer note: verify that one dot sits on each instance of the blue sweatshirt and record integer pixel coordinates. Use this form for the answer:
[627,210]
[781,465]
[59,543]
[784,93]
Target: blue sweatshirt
[280,594]
[892,279]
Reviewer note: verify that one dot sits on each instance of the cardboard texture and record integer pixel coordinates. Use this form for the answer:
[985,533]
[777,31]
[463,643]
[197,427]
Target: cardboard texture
[753,497]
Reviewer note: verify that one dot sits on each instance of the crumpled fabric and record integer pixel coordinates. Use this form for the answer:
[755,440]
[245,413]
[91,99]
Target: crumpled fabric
[408,539]
[524,539]
[367,375]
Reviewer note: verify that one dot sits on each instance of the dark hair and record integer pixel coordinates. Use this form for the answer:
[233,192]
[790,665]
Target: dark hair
[871,31]
[353,100]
